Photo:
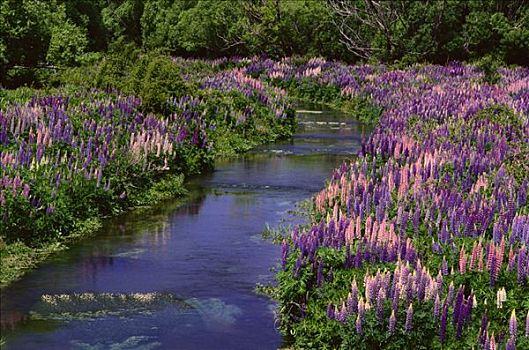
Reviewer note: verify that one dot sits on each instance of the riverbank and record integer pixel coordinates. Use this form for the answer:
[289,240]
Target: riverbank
[73,155]
[208,250]
[414,243]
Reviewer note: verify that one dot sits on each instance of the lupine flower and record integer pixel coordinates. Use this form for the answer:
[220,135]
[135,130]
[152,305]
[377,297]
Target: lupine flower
[483,330]
[501,297]
[380,306]
[361,308]
[513,324]
[444,267]
[298,266]
[450,294]
[443,323]
[330,312]
[437,306]
[458,304]
[493,268]
[409,318]
[358,325]
[462,260]
[284,253]
[354,297]
[492,342]
[392,322]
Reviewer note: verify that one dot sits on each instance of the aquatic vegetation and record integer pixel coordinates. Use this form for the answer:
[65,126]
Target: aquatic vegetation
[134,342]
[215,313]
[422,240]
[67,307]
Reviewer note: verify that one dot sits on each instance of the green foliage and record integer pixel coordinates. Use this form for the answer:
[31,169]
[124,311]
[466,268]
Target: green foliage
[36,33]
[441,31]
[67,44]
[209,26]
[122,19]
[490,65]
[25,28]
[155,78]
[18,257]
[159,23]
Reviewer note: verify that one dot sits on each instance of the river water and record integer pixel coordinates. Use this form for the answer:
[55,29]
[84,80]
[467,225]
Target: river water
[182,275]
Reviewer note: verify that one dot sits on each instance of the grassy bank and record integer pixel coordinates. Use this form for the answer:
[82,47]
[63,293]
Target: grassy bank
[19,257]
[421,242]
[73,154]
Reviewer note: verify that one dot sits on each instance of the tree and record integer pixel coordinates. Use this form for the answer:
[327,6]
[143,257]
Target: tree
[435,30]
[122,18]
[68,41]
[211,28]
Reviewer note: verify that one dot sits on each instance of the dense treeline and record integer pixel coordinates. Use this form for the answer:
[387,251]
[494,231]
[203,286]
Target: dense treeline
[58,33]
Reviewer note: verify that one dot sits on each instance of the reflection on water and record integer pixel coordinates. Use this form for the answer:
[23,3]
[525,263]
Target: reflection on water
[198,260]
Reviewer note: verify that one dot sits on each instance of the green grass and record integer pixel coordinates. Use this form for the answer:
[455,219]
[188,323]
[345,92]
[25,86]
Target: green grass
[17,258]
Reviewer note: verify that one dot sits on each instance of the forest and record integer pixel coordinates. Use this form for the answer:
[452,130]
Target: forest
[281,174]
[61,33]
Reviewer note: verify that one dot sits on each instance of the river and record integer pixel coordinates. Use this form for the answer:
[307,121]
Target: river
[182,275]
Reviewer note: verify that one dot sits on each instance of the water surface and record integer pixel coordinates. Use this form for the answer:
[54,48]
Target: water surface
[182,276]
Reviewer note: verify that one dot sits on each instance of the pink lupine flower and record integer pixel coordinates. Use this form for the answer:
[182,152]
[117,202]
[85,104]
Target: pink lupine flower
[473,257]
[462,261]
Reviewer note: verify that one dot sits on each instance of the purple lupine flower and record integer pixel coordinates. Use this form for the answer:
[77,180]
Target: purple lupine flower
[343,313]
[513,325]
[358,325]
[284,253]
[444,267]
[361,309]
[409,318]
[396,298]
[443,323]
[25,191]
[483,330]
[392,322]
[409,288]
[493,270]
[436,306]
[458,306]
[511,344]
[521,266]
[450,294]
[330,312]
[380,306]
[463,314]
[354,297]
[298,266]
